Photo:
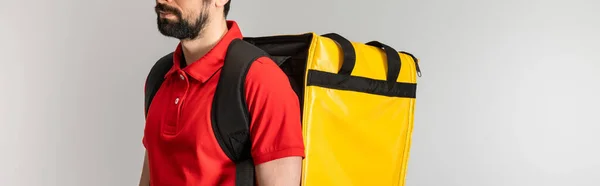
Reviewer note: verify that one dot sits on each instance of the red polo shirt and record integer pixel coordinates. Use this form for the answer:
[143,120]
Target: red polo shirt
[182,149]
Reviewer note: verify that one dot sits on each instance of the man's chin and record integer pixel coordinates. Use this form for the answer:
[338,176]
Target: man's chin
[177,29]
[169,31]
[167,27]
[167,20]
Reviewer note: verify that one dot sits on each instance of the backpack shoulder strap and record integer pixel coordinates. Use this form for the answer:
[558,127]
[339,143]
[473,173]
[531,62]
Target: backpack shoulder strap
[230,115]
[155,78]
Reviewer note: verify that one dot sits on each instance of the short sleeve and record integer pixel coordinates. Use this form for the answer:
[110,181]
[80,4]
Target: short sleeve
[274,107]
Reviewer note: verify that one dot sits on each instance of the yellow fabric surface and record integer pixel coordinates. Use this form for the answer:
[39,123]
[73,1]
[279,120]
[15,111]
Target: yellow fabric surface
[354,138]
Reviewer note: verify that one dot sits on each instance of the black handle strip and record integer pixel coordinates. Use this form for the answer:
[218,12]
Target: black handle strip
[393,60]
[348,50]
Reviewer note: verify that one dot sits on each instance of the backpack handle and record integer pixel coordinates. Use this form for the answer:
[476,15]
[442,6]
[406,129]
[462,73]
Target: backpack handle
[393,60]
[347,50]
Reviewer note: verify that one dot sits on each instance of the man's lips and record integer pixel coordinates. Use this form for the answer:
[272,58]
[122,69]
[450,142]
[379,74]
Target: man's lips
[165,13]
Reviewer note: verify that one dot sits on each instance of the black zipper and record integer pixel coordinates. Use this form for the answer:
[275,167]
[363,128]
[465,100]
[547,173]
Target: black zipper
[416,62]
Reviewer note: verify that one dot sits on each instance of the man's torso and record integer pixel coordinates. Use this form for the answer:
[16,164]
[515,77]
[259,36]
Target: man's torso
[179,138]
[180,133]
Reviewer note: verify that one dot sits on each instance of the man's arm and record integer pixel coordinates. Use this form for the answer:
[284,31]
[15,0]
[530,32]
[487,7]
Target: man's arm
[280,172]
[145,177]
[276,129]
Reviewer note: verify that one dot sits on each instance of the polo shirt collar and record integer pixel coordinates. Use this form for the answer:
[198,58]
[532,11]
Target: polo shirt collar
[211,62]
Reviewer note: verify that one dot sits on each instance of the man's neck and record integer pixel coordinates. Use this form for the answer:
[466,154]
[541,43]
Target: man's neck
[210,36]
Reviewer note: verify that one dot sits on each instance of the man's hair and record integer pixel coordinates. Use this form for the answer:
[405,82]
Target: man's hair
[226,8]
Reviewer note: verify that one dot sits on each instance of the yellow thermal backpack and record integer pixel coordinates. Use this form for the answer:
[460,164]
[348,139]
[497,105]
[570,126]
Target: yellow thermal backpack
[358,104]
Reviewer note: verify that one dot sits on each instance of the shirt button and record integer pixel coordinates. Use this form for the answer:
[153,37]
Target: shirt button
[176,101]
[181,77]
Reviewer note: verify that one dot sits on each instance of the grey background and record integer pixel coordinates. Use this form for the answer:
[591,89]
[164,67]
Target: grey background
[509,96]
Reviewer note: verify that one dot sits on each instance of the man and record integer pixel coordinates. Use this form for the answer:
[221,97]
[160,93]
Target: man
[181,149]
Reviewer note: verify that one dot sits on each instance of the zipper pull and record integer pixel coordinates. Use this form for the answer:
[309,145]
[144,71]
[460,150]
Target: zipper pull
[416,62]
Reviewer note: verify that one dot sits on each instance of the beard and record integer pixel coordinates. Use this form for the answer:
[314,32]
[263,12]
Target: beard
[180,28]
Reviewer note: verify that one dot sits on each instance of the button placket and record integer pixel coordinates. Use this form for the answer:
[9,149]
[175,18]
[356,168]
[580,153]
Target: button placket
[182,78]
[182,90]
[179,87]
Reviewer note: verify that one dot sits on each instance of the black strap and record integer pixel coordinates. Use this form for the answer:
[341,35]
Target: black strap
[155,79]
[348,50]
[393,60]
[244,173]
[230,116]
